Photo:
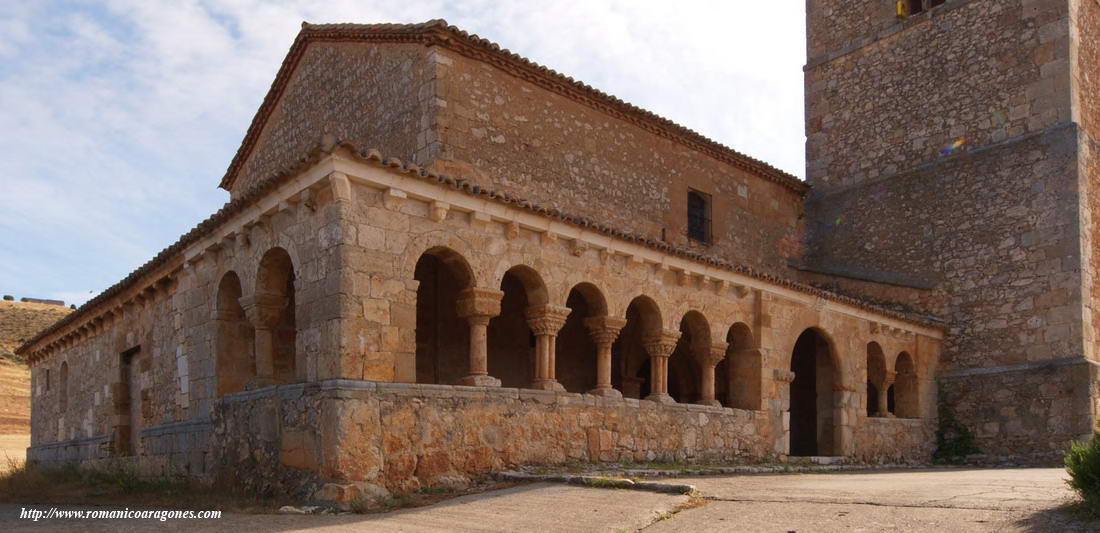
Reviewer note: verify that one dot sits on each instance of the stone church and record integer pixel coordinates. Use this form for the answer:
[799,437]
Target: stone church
[441,259]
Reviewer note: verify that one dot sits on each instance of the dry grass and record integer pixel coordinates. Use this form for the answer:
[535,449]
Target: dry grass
[120,485]
[19,321]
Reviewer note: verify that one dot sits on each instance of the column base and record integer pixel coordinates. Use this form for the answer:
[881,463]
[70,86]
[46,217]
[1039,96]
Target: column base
[885,415]
[660,397]
[712,403]
[479,381]
[607,392]
[548,384]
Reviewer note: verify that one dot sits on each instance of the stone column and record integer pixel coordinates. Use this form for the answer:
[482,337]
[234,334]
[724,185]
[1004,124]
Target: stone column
[782,380]
[604,331]
[708,359]
[659,346]
[545,322]
[888,379]
[478,306]
[263,311]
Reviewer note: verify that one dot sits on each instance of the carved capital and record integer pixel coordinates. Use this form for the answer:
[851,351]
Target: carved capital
[889,378]
[782,376]
[478,302]
[263,309]
[547,319]
[714,353]
[661,343]
[604,329]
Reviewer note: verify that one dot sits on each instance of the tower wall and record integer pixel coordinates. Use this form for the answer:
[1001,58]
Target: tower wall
[996,225]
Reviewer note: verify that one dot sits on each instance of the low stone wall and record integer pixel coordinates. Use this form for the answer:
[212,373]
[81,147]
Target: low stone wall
[167,449]
[405,436]
[69,451]
[177,448]
[894,440]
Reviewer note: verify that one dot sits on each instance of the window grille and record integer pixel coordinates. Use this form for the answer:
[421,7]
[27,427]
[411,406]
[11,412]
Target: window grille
[699,217]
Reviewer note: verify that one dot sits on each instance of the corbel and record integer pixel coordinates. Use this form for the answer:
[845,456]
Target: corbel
[438,210]
[392,198]
[341,187]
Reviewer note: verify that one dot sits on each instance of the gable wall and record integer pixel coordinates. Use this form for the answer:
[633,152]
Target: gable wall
[374,96]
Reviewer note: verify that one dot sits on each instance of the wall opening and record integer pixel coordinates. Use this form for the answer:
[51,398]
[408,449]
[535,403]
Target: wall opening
[812,397]
[127,405]
[631,369]
[906,389]
[234,339]
[64,387]
[684,374]
[876,378]
[511,341]
[699,216]
[739,374]
[275,282]
[442,338]
[576,350]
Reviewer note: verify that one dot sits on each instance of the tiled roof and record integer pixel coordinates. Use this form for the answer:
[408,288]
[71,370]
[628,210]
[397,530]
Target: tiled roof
[267,185]
[438,32]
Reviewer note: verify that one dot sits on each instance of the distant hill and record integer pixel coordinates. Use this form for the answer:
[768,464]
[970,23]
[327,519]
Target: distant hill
[19,321]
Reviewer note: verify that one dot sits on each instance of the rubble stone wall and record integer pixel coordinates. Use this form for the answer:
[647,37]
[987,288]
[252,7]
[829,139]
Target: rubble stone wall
[983,70]
[381,96]
[519,138]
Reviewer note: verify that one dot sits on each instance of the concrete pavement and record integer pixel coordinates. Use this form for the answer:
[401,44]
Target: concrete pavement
[536,507]
[922,500]
[934,500]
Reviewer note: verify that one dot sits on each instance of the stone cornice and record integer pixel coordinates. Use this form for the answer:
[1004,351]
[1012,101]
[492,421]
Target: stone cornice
[439,33]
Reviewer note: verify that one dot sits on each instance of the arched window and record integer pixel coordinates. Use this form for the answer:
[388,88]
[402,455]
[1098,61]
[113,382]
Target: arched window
[906,389]
[234,337]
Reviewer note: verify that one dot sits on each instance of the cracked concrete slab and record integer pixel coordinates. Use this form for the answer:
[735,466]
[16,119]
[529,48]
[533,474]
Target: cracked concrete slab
[933,500]
[994,489]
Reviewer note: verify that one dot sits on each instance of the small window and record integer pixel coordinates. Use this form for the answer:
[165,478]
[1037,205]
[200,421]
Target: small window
[47,380]
[64,386]
[699,216]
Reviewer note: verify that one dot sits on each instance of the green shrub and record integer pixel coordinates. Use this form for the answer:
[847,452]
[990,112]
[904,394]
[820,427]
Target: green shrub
[1083,464]
[954,441]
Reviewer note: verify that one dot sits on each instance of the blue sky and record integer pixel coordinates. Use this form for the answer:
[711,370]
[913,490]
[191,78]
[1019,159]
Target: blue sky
[119,117]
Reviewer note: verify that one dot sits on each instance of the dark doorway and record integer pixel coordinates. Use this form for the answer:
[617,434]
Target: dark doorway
[442,339]
[811,396]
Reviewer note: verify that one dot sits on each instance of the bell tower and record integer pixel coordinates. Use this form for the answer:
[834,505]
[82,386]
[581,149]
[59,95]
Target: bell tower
[951,145]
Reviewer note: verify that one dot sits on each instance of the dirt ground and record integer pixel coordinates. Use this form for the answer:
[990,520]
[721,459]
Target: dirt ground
[936,500]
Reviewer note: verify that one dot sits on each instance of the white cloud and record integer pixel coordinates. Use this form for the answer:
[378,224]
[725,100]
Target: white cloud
[119,119]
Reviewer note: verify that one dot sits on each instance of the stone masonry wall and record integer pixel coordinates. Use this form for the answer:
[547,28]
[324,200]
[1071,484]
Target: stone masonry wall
[403,436]
[1086,79]
[174,329]
[983,70]
[519,138]
[995,230]
[382,96]
[1026,409]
